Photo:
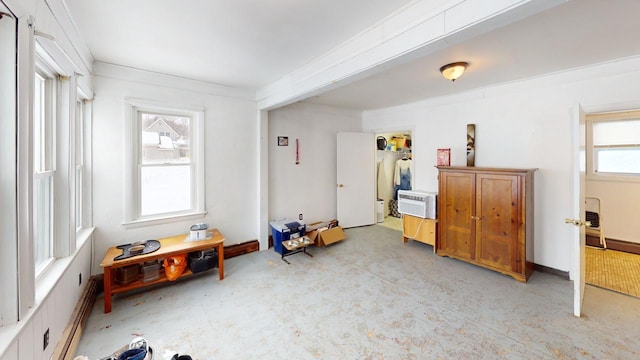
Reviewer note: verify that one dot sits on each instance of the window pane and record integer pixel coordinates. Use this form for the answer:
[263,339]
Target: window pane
[621,132]
[79,192]
[164,139]
[165,189]
[39,123]
[79,132]
[42,219]
[618,160]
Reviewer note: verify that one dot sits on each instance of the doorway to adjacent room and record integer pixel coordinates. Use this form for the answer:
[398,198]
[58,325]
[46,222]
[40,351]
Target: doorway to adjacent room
[394,171]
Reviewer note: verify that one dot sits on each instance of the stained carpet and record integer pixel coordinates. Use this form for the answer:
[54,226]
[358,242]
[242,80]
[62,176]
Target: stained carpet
[613,270]
[370,296]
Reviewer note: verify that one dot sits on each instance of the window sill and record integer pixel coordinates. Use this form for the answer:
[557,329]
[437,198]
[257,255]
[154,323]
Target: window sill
[163,220]
[50,277]
[82,235]
[613,178]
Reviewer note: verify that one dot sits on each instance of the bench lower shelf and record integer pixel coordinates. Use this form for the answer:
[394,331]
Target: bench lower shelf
[170,246]
[119,288]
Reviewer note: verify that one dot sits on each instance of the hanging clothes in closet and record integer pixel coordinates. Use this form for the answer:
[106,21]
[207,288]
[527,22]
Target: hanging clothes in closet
[402,176]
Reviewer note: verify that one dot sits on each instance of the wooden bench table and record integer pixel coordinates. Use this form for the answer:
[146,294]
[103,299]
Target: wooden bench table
[169,246]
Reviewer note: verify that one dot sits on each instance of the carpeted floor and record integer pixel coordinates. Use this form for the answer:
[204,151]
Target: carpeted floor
[614,270]
[368,297]
[392,223]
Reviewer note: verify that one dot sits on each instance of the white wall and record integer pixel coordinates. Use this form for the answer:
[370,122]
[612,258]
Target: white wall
[230,155]
[524,124]
[310,187]
[620,208]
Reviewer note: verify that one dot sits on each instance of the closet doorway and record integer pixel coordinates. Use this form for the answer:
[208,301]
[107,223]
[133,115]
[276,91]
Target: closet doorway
[394,171]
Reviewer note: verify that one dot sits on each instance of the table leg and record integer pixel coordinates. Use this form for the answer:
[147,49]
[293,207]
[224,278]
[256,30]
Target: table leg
[107,289]
[221,261]
[305,251]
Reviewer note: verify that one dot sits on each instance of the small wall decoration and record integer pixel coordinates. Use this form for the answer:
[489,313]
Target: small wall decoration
[444,157]
[283,141]
[471,144]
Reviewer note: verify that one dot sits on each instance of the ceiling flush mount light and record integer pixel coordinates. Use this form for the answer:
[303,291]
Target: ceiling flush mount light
[454,70]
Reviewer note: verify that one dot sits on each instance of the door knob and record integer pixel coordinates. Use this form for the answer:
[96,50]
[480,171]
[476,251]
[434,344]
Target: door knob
[340,185]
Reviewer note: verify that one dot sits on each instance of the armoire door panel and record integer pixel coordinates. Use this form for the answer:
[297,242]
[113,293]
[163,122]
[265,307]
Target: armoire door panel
[497,253]
[497,214]
[459,241]
[459,233]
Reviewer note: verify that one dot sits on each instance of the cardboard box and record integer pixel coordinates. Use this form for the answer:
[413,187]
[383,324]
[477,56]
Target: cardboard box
[321,235]
[330,236]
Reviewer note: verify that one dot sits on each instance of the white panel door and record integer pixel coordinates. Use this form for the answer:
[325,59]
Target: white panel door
[356,197]
[579,164]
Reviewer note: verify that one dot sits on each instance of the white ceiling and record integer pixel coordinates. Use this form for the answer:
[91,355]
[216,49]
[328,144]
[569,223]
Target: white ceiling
[572,35]
[251,43]
[239,43]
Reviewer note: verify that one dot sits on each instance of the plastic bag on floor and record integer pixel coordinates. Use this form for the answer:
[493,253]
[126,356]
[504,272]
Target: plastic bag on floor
[174,266]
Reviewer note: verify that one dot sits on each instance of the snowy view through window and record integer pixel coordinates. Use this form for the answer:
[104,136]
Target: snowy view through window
[165,164]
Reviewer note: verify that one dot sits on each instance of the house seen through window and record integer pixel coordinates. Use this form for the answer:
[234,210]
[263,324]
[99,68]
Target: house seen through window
[165,163]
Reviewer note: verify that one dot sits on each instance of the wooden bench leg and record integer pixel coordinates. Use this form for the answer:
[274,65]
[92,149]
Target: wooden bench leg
[107,289]
[221,261]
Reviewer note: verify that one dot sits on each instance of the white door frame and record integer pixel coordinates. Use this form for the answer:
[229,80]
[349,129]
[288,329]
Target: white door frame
[578,186]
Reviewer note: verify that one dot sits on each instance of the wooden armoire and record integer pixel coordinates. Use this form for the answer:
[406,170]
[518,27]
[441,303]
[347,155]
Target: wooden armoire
[486,218]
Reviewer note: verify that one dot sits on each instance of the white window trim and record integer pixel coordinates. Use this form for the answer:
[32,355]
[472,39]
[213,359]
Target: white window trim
[9,180]
[79,164]
[131,199]
[87,161]
[48,169]
[600,117]
[48,54]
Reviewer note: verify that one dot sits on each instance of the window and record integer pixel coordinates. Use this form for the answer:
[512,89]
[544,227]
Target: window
[166,169]
[615,144]
[44,170]
[79,165]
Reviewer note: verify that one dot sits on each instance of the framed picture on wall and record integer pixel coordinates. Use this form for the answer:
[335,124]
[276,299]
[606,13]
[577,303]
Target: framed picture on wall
[283,141]
[444,157]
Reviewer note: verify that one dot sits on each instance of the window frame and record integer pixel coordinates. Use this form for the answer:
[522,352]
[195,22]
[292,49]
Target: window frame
[79,164]
[132,136]
[44,161]
[591,153]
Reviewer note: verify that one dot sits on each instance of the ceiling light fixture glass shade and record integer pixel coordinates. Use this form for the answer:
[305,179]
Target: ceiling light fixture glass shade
[454,70]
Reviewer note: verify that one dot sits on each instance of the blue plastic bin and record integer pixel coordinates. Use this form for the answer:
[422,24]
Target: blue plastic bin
[282,230]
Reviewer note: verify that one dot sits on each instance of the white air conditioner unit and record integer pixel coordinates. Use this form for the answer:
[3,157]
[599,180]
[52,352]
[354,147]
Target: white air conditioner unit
[420,204]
